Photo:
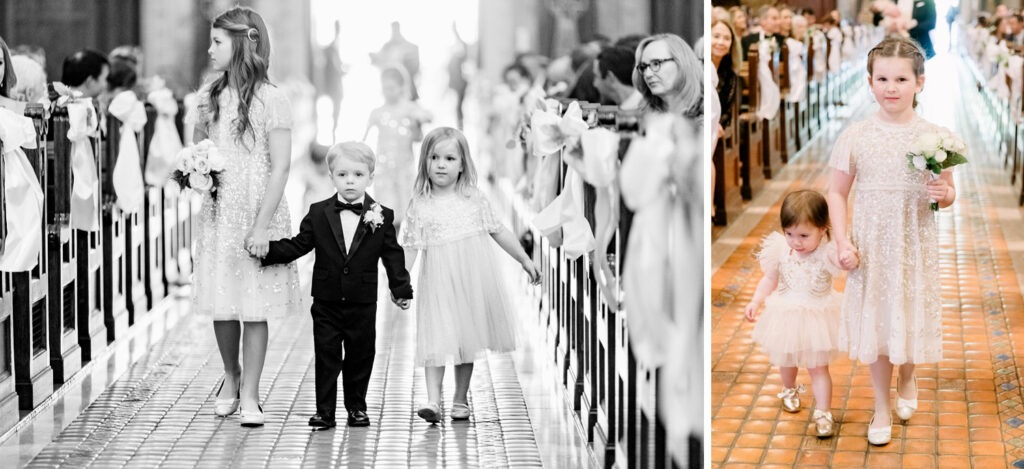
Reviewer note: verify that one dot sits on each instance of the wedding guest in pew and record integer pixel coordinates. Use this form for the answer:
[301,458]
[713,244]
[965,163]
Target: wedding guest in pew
[36,53]
[86,71]
[1016,27]
[630,41]
[785,22]
[809,15]
[725,55]
[8,79]
[613,77]
[739,20]
[669,77]
[769,18]
[31,86]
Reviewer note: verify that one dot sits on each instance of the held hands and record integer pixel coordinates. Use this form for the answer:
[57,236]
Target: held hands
[849,258]
[938,190]
[531,271]
[257,242]
[401,303]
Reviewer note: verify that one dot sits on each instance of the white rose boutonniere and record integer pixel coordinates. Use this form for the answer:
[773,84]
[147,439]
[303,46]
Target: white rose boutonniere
[374,217]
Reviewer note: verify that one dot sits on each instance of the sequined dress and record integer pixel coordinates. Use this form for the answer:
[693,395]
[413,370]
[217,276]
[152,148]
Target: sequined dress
[395,171]
[462,304]
[891,305]
[229,284]
[800,322]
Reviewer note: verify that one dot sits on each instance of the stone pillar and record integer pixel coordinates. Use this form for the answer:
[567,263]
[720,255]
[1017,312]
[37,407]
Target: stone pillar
[617,18]
[168,31]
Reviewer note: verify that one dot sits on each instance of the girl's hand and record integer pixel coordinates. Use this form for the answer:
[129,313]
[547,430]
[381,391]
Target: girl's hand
[751,310]
[938,190]
[257,242]
[849,258]
[532,271]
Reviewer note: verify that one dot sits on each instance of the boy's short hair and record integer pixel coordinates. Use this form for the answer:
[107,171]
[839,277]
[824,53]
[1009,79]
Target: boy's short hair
[355,151]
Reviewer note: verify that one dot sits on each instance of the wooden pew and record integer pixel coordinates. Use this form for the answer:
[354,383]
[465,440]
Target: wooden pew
[92,328]
[774,145]
[788,112]
[727,198]
[8,394]
[65,352]
[752,133]
[32,372]
[814,92]
[115,226]
[153,272]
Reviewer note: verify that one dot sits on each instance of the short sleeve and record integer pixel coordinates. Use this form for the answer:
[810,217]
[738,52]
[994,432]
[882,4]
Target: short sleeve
[772,248]
[279,109]
[411,234]
[831,258]
[197,108]
[842,152]
[488,219]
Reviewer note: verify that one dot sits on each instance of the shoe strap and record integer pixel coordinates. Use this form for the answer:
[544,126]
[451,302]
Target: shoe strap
[790,392]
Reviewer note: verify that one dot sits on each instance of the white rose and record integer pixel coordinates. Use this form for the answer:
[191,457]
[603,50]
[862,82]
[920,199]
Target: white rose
[185,161]
[940,156]
[919,162]
[216,160]
[200,182]
[202,165]
[928,142]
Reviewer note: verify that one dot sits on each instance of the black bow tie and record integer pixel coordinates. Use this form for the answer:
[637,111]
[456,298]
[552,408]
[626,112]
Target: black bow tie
[355,208]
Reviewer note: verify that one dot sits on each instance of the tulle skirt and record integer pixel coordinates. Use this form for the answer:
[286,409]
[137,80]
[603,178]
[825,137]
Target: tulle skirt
[462,304]
[798,331]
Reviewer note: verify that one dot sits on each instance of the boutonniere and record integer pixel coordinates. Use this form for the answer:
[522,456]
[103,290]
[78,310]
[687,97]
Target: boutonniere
[374,217]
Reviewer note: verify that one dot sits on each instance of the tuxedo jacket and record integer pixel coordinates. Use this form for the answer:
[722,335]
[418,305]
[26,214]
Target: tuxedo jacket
[924,13]
[754,38]
[341,274]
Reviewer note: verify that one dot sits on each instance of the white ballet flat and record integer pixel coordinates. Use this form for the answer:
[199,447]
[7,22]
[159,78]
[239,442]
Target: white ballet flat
[905,407]
[430,412]
[791,398]
[225,407]
[252,418]
[824,423]
[879,436]
[460,411]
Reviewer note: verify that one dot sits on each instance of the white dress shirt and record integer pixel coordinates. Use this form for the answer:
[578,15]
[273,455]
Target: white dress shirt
[349,222]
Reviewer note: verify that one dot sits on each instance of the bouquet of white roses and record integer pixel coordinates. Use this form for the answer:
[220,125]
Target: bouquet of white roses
[935,151]
[199,167]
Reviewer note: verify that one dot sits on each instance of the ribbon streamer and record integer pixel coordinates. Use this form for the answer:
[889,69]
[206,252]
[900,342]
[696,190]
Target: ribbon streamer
[128,183]
[770,94]
[820,61]
[165,145]
[23,197]
[797,71]
[835,39]
[83,124]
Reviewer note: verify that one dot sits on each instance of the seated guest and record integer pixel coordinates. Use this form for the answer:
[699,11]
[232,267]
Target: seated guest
[725,56]
[739,20]
[785,21]
[86,71]
[613,77]
[669,76]
[769,17]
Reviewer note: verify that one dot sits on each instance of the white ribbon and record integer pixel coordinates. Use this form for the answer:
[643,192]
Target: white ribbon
[23,197]
[997,83]
[1016,73]
[770,94]
[128,184]
[820,63]
[600,169]
[835,38]
[849,48]
[551,133]
[82,125]
[991,56]
[165,144]
[797,71]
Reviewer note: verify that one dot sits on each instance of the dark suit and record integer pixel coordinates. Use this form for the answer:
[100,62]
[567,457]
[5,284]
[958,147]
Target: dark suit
[754,38]
[924,13]
[344,295]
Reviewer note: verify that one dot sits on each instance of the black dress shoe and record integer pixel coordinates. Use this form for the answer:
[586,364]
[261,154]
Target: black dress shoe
[358,418]
[319,421]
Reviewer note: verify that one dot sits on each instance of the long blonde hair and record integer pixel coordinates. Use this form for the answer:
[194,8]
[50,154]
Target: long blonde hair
[467,177]
[247,69]
[689,85]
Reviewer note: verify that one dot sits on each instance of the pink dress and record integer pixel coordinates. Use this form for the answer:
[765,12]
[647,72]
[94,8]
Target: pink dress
[462,302]
[800,323]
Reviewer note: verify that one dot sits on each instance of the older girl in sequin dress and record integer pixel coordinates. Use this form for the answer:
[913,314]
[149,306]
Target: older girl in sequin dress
[399,124]
[800,323]
[462,305]
[891,307]
[249,120]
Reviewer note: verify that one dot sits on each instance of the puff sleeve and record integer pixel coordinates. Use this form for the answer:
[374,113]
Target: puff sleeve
[488,220]
[772,248]
[842,152]
[411,234]
[279,109]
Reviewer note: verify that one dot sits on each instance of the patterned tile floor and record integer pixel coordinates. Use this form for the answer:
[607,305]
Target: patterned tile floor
[970,404]
[159,412]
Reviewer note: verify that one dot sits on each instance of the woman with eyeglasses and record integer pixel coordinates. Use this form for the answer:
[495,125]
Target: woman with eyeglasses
[669,76]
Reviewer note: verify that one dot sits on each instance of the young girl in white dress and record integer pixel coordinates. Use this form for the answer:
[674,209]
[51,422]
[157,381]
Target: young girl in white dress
[800,323]
[891,312]
[249,121]
[462,305]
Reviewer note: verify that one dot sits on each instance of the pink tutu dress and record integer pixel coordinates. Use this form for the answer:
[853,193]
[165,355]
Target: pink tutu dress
[800,323]
[462,305]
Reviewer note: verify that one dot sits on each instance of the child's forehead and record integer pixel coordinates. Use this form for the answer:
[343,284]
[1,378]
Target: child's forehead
[447,146]
[349,163]
[893,65]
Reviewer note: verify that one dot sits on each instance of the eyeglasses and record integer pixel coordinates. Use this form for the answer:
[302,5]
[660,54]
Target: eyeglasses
[654,65]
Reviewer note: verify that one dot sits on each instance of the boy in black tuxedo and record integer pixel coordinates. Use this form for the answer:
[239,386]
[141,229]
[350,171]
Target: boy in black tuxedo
[350,232]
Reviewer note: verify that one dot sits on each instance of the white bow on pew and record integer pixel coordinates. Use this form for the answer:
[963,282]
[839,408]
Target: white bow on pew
[23,197]
[820,63]
[165,144]
[83,124]
[835,39]
[997,82]
[1015,70]
[564,215]
[797,71]
[849,46]
[770,94]
[128,183]
[990,58]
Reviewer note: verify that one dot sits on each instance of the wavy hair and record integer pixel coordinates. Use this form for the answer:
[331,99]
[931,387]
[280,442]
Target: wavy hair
[247,69]
[689,85]
[467,178]
[10,78]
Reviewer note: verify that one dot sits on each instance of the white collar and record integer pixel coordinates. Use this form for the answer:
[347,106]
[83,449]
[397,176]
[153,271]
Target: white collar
[358,201]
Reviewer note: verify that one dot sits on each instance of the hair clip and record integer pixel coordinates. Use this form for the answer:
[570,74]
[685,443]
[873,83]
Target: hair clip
[252,34]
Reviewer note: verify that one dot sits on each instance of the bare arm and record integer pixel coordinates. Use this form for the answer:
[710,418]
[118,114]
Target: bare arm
[838,194]
[942,190]
[280,142]
[765,287]
[510,244]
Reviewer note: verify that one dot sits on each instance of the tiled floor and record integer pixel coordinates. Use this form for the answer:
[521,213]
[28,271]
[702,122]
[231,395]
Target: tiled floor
[159,412]
[970,404]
